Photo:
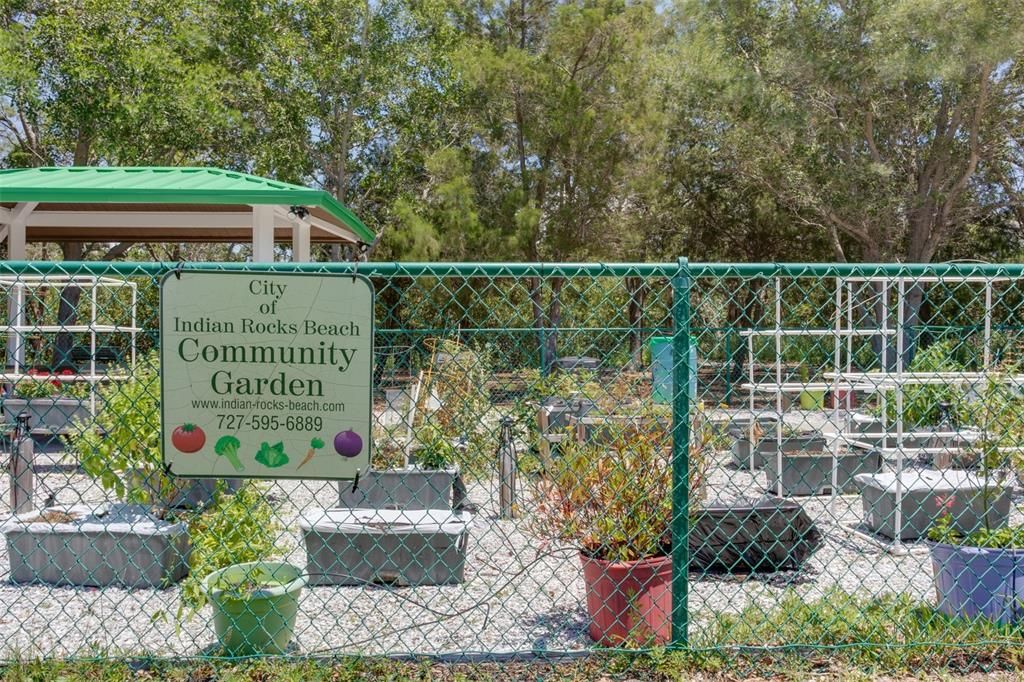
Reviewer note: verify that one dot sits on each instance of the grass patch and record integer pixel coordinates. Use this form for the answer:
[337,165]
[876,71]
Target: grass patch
[839,636]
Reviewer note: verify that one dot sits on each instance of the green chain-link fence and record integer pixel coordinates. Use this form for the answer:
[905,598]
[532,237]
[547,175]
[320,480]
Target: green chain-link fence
[773,443]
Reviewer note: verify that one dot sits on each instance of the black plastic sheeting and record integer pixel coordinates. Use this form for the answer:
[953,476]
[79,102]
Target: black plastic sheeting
[762,536]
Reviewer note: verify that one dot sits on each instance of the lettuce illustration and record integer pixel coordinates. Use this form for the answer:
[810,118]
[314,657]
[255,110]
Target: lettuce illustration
[272,456]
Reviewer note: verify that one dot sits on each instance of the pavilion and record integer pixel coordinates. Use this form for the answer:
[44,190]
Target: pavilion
[153,204]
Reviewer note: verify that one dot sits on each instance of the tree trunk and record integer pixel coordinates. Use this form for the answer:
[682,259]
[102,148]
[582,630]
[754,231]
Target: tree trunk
[913,297]
[554,320]
[67,312]
[637,289]
[539,322]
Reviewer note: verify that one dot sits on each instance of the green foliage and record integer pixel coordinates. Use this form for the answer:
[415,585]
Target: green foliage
[1006,537]
[435,451]
[31,389]
[613,500]
[921,403]
[121,448]
[612,497]
[35,388]
[237,528]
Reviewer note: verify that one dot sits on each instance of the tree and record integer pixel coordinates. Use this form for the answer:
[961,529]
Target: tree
[875,122]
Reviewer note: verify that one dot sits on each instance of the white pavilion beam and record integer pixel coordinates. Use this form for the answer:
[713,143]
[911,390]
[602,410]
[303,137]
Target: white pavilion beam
[147,219]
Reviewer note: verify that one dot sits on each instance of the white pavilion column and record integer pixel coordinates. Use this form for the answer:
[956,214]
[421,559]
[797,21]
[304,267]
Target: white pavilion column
[300,242]
[263,234]
[16,241]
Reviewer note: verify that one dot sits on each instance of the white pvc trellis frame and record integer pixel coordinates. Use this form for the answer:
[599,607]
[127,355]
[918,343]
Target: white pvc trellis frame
[17,329]
[844,377]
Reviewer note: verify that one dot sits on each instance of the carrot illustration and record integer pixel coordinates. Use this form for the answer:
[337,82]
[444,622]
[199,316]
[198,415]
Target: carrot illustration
[314,445]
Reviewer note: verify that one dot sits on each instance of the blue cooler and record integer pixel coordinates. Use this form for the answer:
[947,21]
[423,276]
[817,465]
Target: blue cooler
[661,368]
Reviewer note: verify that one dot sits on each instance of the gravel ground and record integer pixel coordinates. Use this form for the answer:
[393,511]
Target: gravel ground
[518,596]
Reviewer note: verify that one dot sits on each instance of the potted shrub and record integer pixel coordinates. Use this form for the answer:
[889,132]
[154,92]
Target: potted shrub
[613,501]
[254,606]
[979,574]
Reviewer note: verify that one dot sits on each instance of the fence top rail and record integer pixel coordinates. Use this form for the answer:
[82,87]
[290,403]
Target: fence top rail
[933,272]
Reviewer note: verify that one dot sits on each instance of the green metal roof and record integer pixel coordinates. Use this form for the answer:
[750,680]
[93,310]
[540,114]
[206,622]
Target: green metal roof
[166,185]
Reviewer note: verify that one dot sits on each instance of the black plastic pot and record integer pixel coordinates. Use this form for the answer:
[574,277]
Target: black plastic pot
[762,536]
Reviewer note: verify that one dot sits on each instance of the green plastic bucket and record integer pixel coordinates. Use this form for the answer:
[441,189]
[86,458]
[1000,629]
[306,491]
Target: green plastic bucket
[661,369]
[261,622]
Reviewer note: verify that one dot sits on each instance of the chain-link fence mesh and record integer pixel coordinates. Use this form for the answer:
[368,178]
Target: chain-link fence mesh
[565,457]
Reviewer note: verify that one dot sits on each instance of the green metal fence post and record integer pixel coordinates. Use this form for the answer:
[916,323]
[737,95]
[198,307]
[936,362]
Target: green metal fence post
[680,453]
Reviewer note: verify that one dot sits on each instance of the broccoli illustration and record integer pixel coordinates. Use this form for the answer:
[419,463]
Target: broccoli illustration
[227,447]
[272,456]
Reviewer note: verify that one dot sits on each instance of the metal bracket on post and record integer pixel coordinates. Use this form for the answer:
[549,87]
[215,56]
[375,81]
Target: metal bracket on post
[22,454]
[680,454]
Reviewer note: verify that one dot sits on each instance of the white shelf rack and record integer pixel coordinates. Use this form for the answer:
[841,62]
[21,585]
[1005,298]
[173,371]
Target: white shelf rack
[18,291]
[881,383]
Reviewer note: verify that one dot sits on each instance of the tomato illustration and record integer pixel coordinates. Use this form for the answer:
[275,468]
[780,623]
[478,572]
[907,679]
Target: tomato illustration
[188,438]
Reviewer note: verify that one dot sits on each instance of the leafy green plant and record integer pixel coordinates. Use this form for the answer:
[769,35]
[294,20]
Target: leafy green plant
[235,529]
[921,403]
[435,451]
[32,389]
[121,448]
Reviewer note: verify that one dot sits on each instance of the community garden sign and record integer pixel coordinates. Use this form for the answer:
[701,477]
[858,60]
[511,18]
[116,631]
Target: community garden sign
[266,375]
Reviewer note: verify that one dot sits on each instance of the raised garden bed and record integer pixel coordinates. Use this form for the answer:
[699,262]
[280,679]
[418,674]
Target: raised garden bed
[742,446]
[808,464]
[49,418]
[113,545]
[928,495]
[385,546]
[945,449]
[408,488]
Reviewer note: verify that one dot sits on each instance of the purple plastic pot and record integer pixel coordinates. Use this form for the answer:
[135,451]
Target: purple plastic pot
[978,581]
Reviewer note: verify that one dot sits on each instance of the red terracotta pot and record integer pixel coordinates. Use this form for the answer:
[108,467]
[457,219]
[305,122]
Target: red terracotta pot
[629,602]
[847,399]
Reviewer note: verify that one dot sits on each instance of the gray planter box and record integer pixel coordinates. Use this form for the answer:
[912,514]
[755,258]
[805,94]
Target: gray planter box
[926,496]
[559,410]
[115,545]
[956,448]
[866,428]
[54,414]
[807,465]
[739,431]
[49,418]
[407,547]
[409,488]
